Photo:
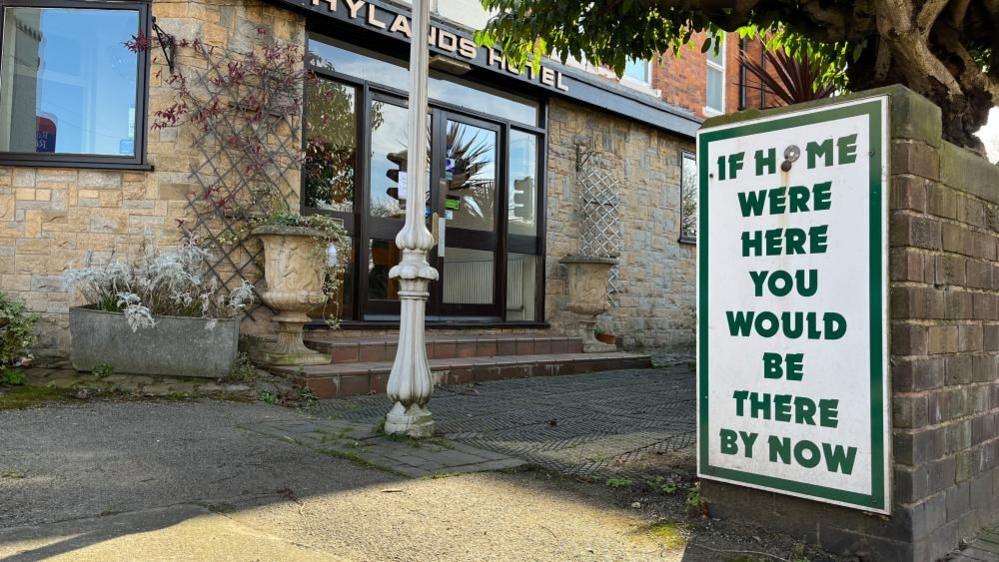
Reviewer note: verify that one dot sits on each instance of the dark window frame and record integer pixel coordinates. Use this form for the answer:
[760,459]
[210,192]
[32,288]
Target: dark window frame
[359,226]
[684,239]
[138,161]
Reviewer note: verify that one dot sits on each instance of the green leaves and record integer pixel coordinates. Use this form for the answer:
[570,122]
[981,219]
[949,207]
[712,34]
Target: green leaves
[12,377]
[610,32]
[17,335]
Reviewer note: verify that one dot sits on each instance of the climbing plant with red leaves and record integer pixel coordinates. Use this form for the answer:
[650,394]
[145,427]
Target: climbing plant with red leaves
[244,114]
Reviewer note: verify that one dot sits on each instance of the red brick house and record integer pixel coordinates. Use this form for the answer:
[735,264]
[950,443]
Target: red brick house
[705,84]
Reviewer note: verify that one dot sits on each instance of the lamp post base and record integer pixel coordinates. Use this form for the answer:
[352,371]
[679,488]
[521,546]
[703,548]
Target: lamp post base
[414,422]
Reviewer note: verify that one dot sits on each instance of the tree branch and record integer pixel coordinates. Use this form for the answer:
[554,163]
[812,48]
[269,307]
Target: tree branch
[928,16]
[970,75]
[882,61]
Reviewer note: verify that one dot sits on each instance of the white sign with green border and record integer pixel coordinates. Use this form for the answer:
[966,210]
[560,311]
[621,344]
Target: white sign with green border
[792,352]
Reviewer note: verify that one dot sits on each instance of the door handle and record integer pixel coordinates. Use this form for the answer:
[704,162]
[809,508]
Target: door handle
[439,230]
[442,230]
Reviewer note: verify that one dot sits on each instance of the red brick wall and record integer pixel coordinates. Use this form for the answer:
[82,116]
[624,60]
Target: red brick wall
[682,80]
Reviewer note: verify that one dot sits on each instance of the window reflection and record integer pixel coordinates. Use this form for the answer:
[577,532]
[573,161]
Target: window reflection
[67,81]
[523,182]
[482,99]
[341,303]
[688,197]
[637,69]
[331,146]
[389,185]
[715,91]
[375,67]
[359,63]
[470,177]
[382,255]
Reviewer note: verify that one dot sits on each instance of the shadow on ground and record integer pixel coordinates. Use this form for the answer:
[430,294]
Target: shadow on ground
[170,480]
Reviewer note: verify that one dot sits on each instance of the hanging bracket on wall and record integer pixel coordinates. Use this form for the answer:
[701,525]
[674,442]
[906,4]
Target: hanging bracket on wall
[583,154]
[168,43]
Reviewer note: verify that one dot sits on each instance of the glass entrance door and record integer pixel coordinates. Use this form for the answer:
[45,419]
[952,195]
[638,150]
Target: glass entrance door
[466,207]
[385,202]
[463,208]
[485,175]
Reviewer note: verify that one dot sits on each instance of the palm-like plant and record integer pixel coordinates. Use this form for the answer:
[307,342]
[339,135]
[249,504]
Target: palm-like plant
[469,152]
[791,79]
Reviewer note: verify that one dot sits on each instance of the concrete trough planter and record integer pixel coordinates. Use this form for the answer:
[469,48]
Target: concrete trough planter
[176,346]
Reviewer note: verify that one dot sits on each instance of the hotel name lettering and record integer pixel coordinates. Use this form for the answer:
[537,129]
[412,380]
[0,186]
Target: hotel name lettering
[452,43]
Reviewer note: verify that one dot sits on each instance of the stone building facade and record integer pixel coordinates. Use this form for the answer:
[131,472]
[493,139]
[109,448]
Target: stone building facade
[655,306]
[58,215]
[55,218]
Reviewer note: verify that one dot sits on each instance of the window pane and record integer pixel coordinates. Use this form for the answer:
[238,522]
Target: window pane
[341,304]
[389,187]
[719,57]
[482,99]
[468,276]
[716,79]
[382,256]
[373,67]
[331,146]
[359,63]
[469,177]
[637,69]
[521,286]
[523,184]
[68,83]
[688,197]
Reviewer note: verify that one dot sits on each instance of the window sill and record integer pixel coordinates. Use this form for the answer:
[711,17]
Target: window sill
[712,112]
[688,241]
[84,164]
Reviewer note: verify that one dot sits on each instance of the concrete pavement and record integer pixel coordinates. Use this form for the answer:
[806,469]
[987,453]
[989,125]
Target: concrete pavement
[185,481]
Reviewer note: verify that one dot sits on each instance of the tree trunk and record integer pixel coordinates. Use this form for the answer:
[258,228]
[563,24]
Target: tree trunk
[918,48]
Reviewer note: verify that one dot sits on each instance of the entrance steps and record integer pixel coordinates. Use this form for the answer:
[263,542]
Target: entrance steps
[362,365]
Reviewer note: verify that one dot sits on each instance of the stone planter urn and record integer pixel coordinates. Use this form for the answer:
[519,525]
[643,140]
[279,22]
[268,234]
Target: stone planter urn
[293,270]
[588,278]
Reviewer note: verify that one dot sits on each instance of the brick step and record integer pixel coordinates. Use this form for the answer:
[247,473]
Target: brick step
[339,380]
[442,347]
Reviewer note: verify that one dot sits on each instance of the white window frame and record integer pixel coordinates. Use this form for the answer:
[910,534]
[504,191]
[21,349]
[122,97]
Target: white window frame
[648,75]
[644,86]
[712,65]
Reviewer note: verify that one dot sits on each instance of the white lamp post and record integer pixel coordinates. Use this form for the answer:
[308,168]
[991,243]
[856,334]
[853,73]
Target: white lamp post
[410,384]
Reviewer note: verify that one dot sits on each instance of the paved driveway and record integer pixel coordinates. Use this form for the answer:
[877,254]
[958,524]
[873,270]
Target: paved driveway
[578,424]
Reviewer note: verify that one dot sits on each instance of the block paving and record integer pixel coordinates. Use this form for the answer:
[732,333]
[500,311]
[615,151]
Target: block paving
[587,425]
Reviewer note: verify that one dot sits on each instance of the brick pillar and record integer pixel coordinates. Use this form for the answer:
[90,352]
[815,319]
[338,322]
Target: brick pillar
[944,310]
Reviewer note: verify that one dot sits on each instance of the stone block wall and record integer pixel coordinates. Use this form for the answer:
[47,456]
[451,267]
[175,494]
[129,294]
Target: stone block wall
[944,318]
[52,218]
[656,309]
